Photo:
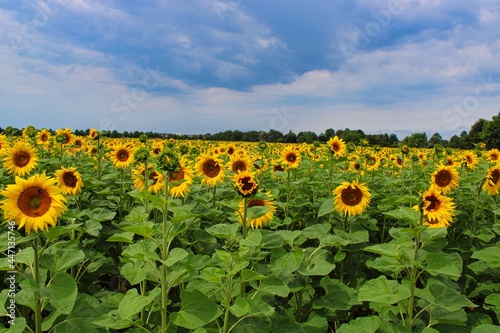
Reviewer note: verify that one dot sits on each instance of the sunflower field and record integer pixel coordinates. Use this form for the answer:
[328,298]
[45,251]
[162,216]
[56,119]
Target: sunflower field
[102,234]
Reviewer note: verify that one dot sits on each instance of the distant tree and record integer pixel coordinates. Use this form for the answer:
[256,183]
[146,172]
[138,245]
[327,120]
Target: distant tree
[476,132]
[491,133]
[435,139]
[251,136]
[274,136]
[307,137]
[416,140]
[291,137]
[329,133]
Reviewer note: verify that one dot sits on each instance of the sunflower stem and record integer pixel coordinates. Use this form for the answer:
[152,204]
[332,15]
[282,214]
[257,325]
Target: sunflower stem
[36,277]
[164,254]
[244,232]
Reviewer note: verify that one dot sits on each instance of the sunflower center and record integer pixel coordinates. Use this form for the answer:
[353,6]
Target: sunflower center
[443,178]
[255,202]
[230,151]
[495,176]
[21,158]
[335,147]
[70,179]
[67,138]
[291,158]
[34,202]
[211,168]
[247,182]
[239,166]
[434,203]
[494,157]
[278,168]
[176,175]
[44,138]
[351,196]
[371,161]
[122,155]
[78,143]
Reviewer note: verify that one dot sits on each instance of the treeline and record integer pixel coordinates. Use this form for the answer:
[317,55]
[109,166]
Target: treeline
[483,131]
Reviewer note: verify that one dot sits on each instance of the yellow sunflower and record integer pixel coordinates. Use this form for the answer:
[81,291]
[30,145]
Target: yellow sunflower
[34,203]
[290,158]
[4,144]
[69,180]
[437,208]
[471,160]
[20,159]
[68,135]
[257,222]
[156,148]
[78,143]
[245,183]
[493,155]
[93,134]
[121,156]
[238,163]
[211,169]
[230,149]
[43,137]
[337,146]
[492,183]
[155,180]
[352,198]
[183,177]
[445,178]
[372,163]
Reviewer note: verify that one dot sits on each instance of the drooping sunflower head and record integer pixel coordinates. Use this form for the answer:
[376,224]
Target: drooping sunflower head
[245,183]
[20,159]
[438,209]
[69,180]
[337,146]
[352,198]
[492,181]
[211,169]
[258,221]
[291,158]
[121,156]
[445,178]
[34,203]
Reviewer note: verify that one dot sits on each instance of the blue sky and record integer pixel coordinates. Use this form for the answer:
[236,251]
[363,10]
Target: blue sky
[204,66]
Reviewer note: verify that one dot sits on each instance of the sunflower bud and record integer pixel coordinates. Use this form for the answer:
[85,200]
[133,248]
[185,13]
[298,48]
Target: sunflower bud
[141,155]
[31,131]
[60,138]
[262,145]
[143,138]
[168,161]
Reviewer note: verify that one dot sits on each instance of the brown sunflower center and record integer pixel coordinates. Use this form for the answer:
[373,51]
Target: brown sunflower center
[239,166]
[495,176]
[469,159]
[211,168]
[371,161]
[78,143]
[278,168]
[34,202]
[494,157]
[443,178]
[247,183]
[122,155]
[44,137]
[351,196]
[255,202]
[176,175]
[230,151]
[21,158]
[434,203]
[291,157]
[67,138]
[335,147]
[70,179]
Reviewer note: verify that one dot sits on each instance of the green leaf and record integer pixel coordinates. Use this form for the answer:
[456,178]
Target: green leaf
[253,239]
[326,207]
[284,263]
[19,325]
[131,304]
[101,214]
[61,292]
[283,324]
[62,256]
[26,256]
[175,255]
[490,255]
[381,290]
[134,271]
[224,230]
[337,296]
[492,302]
[144,229]
[59,230]
[248,275]
[447,264]
[113,321]
[240,307]
[404,213]
[144,250]
[317,265]
[122,237]
[198,310]
[86,310]
[392,250]
[274,286]
[486,328]
[361,325]
[441,295]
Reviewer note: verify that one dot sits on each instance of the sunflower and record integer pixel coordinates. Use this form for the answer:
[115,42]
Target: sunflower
[290,158]
[493,155]
[352,198]
[230,149]
[257,222]
[470,159]
[211,169]
[445,178]
[34,203]
[20,159]
[238,163]
[43,137]
[67,134]
[492,183]
[78,143]
[337,146]
[437,208]
[4,144]
[69,180]
[155,182]
[121,156]
[93,134]
[156,148]
[245,183]
[372,162]
[183,176]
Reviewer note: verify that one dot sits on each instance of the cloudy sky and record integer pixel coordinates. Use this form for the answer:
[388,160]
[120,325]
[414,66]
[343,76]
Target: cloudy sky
[204,66]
